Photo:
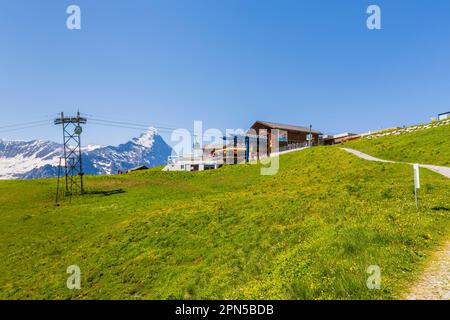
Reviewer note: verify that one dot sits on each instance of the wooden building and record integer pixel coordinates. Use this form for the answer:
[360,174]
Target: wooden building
[444,116]
[344,137]
[139,168]
[289,137]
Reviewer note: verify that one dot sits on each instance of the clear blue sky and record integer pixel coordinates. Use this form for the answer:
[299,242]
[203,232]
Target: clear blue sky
[226,62]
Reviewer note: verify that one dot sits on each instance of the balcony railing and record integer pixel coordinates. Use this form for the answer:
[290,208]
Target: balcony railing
[194,159]
[229,157]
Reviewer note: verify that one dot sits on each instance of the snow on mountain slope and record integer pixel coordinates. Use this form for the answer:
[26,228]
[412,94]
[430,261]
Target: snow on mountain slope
[19,157]
[146,139]
[39,159]
[149,149]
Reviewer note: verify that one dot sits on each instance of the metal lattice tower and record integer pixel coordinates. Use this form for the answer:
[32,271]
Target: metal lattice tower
[73,165]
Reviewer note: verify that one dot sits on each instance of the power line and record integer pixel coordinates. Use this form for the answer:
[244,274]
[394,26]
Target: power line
[102,121]
[24,124]
[141,127]
[104,118]
[22,128]
[129,125]
[133,124]
[115,125]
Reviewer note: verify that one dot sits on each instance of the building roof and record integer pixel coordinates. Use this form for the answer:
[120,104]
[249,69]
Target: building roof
[288,127]
[441,114]
[343,135]
[138,168]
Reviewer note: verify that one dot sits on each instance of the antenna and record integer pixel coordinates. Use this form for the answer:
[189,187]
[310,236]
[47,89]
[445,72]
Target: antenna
[73,165]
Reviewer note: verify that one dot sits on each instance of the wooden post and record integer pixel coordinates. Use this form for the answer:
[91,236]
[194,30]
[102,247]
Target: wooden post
[224,151]
[247,149]
[57,183]
[257,144]
[235,152]
[416,168]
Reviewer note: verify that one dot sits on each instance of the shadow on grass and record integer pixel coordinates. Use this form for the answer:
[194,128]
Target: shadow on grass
[106,193]
[440,209]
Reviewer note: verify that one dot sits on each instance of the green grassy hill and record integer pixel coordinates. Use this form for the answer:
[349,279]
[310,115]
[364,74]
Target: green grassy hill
[309,232]
[430,146]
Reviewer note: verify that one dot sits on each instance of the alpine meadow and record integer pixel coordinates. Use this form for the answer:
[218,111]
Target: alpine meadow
[309,232]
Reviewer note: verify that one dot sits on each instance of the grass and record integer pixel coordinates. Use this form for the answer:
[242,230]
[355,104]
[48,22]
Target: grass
[429,146]
[309,232]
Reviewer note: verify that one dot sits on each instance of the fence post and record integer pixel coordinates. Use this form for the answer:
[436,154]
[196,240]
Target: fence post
[247,149]
[235,152]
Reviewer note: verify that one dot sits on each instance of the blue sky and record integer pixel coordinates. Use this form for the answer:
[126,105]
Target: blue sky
[228,63]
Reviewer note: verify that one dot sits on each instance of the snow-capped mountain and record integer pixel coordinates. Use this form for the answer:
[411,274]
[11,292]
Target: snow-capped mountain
[40,159]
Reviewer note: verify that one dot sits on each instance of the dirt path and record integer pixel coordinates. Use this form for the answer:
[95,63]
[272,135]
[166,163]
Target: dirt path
[365,156]
[434,283]
[445,171]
